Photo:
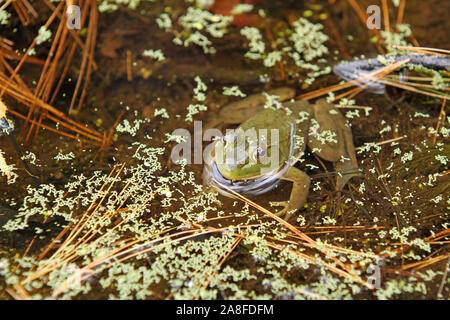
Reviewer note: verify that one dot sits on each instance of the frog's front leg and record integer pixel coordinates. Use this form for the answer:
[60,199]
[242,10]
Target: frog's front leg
[299,193]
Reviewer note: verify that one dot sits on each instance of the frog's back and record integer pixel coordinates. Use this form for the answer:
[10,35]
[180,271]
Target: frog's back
[269,119]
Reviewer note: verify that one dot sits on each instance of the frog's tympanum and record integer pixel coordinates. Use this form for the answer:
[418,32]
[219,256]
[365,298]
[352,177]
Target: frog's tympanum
[262,151]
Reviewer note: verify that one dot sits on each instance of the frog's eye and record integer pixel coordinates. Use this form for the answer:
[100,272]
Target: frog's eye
[261,152]
[258,153]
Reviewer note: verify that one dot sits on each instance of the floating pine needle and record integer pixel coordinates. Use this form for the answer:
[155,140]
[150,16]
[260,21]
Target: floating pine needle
[384,142]
[300,234]
[367,79]
[425,50]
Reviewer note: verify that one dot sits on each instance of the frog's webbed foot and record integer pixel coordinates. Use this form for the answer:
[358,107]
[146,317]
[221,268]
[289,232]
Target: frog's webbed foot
[284,211]
[332,140]
[300,188]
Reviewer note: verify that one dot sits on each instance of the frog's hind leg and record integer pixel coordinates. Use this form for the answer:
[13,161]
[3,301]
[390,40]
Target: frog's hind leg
[299,193]
[332,140]
[347,167]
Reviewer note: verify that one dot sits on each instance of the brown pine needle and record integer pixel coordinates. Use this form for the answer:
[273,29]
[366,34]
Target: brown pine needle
[19,293]
[271,215]
[324,91]
[6,5]
[439,121]
[369,78]
[30,8]
[88,51]
[363,17]
[301,235]
[425,50]
[343,106]
[376,76]
[387,26]
[440,235]
[54,130]
[338,38]
[33,44]
[129,68]
[384,142]
[343,273]
[425,263]
[14,294]
[25,96]
[413,89]
[414,78]
[401,12]
[361,14]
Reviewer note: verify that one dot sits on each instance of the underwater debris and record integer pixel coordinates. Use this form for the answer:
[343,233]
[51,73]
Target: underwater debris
[353,70]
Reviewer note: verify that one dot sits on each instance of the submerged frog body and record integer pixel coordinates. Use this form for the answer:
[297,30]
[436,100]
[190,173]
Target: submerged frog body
[262,151]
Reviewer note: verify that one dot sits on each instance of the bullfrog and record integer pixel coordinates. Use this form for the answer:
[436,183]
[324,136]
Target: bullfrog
[262,151]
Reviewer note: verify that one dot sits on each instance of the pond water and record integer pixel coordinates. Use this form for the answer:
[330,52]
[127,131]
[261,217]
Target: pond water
[113,215]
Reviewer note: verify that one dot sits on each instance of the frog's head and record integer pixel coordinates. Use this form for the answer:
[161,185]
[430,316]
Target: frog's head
[242,156]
